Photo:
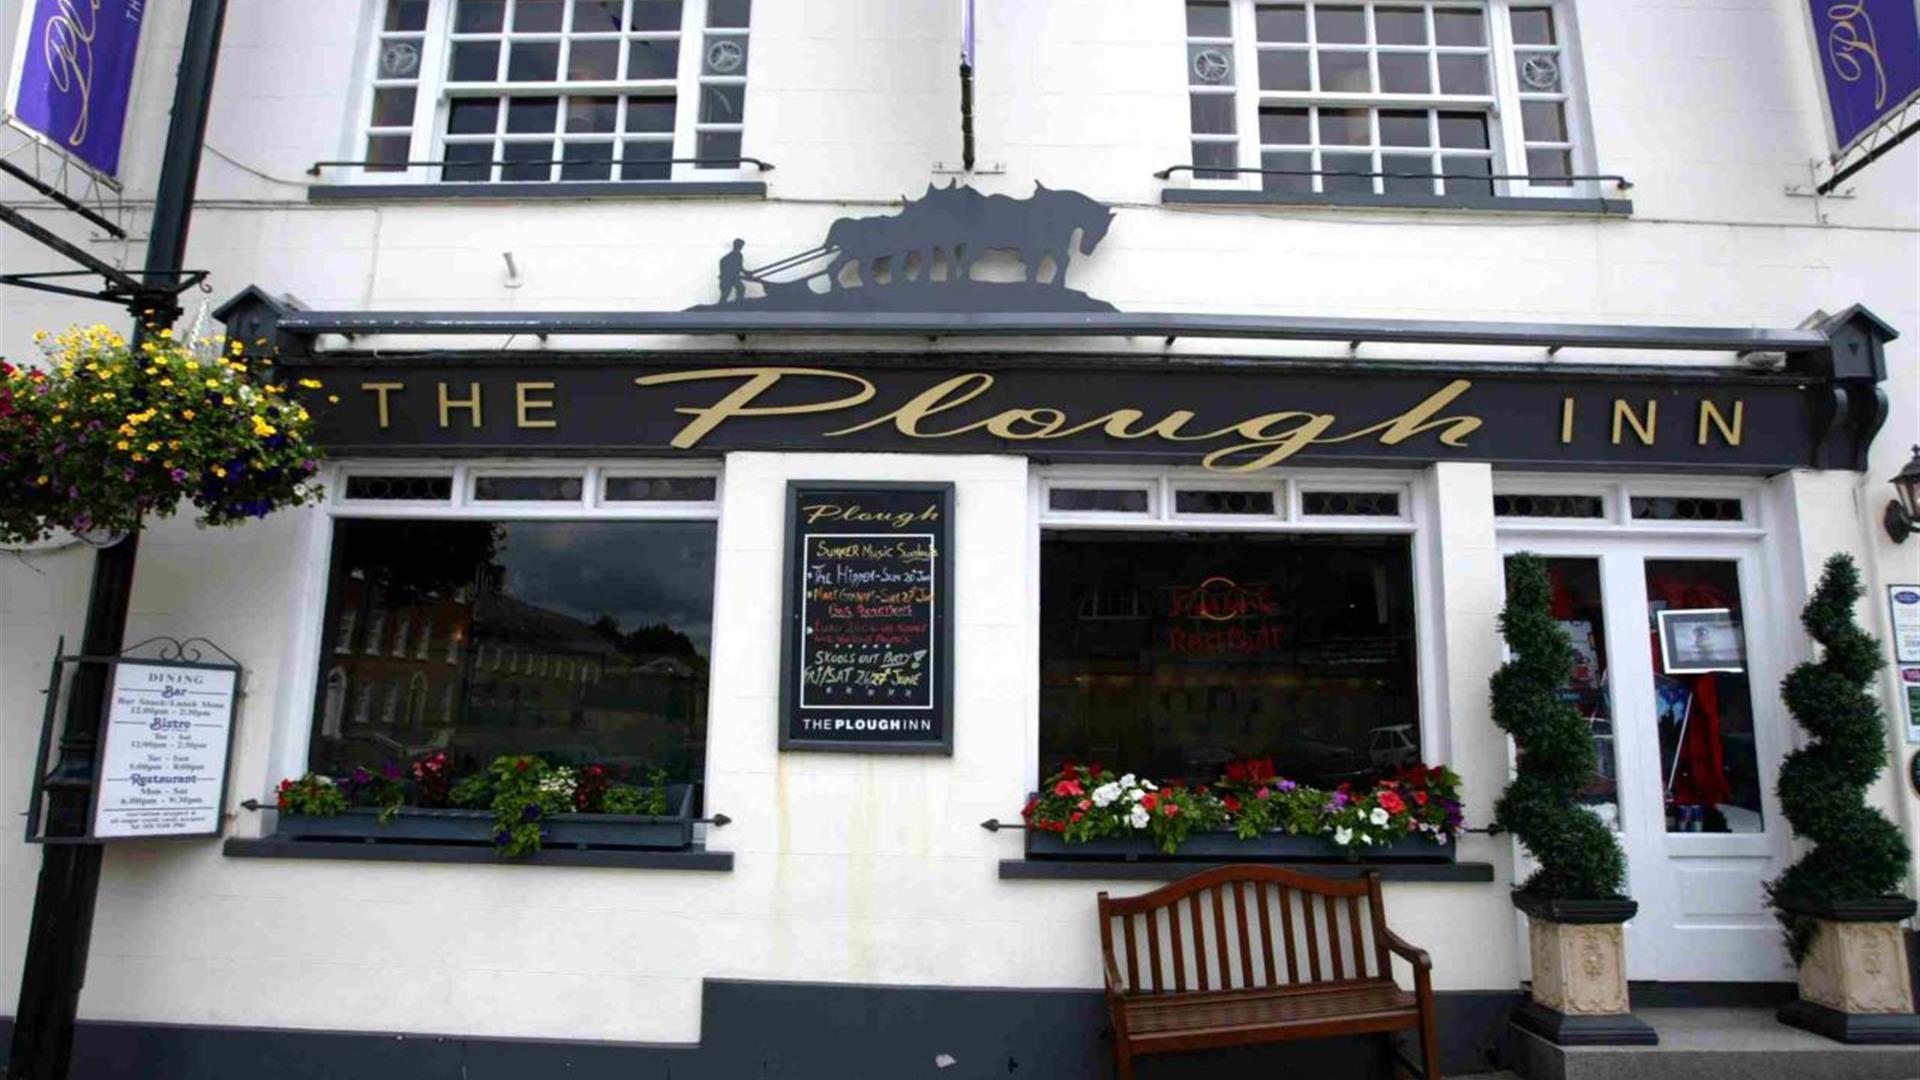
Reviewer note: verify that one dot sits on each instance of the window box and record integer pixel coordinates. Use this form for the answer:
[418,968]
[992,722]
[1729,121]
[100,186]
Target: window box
[1224,846]
[672,831]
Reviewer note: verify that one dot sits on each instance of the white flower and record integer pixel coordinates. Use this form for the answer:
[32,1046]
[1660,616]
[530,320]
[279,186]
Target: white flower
[1105,794]
[1379,815]
[1343,836]
[1439,838]
[1136,794]
[325,781]
[1139,817]
[1365,839]
[1149,785]
[1127,780]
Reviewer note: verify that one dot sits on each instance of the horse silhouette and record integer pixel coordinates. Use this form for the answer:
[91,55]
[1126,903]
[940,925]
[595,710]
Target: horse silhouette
[955,226]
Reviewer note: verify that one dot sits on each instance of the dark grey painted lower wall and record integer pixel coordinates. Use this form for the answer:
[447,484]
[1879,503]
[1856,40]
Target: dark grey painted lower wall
[769,1031]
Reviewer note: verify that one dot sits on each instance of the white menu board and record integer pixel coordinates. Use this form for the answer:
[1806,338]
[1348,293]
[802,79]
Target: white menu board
[163,766]
[1904,603]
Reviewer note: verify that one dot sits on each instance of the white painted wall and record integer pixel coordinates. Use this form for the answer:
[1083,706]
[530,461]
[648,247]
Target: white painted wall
[873,869]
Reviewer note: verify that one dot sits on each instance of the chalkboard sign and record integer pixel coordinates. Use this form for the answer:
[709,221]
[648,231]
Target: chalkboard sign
[867,652]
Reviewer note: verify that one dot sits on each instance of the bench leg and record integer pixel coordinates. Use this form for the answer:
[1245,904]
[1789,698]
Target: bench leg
[1122,1059]
[1429,1046]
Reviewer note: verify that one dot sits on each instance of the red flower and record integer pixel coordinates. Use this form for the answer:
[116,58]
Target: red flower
[1069,787]
[1170,809]
[1237,771]
[1260,768]
[1151,800]
[522,765]
[1027,810]
[1086,804]
[285,785]
[1077,815]
[1390,802]
[1420,797]
[1232,804]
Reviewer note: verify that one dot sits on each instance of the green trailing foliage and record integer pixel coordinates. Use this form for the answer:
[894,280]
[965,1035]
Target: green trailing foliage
[1576,852]
[1857,853]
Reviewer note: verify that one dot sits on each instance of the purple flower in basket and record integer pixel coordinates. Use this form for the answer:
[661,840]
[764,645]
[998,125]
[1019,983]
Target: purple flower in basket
[390,771]
[1286,785]
[500,838]
[361,777]
[531,813]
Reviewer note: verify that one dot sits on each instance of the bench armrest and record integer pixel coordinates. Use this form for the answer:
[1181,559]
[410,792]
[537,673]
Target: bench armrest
[1112,975]
[1413,954]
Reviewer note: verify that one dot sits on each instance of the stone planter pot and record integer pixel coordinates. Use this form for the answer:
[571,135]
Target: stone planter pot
[673,830]
[1579,954]
[1854,981]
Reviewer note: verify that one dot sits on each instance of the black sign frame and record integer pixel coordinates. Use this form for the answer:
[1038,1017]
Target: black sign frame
[939,496]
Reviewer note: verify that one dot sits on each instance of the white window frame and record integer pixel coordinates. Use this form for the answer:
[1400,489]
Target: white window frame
[1507,143]
[435,93]
[1617,494]
[1414,522]
[302,664]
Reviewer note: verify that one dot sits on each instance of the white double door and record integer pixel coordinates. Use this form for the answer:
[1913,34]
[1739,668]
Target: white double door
[1689,756]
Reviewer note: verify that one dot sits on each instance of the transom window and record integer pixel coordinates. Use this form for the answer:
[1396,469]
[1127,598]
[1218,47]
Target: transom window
[545,90]
[1383,98]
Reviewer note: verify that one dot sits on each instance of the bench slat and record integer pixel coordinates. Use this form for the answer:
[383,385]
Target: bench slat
[1199,941]
[1179,951]
[1246,947]
[1312,935]
[1266,934]
[1133,953]
[1333,936]
[1223,960]
[1153,948]
[1286,926]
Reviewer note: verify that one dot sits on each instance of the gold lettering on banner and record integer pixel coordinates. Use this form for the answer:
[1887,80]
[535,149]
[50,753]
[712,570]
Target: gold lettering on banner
[1853,48]
[1623,412]
[738,403]
[524,403]
[383,389]
[67,44]
[1267,439]
[1710,414]
[471,403]
[1566,421]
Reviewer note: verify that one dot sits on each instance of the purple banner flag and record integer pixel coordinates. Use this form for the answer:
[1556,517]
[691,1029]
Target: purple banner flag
[73,75]
[1870,57]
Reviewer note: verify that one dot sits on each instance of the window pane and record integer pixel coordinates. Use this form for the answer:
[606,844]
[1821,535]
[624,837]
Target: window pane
[580,642]
[1463,73]
[388,153]
[475,155]
[1210,65]
[1350,504]
[532,114]
[596,16]
[533,61]
[1544,121]
[393,106]
[724,56]
[1287,127]
[1467,167]
[1212,114]
[1404,73]
[1345,127]
[1169,654]
[646,161]
[1339,25]
[539,16]
[1209,20]
[1709,765]
[1578,610]
[653,59]
[1103,500]
[1685,508]
[1533,26]
[655,15]
[1459,27]
[1344,73]
[1463,130]
[650,113]
[474,61]
[527,488]
[406,15]
[1549,167]
[661,489]
[1280,22]
[399,58]
[1346,163]
[1299,167]
[479,16]
[1400,26]
[1414,183]
[1284,69]
[592,113]
[1210,158]
[586,160]
[537,156]
[1223,502]
[722,104]
[473,116]
[1404,127]
[718,150]
[390,488]
[728,13]
[591,61]
[1539,72]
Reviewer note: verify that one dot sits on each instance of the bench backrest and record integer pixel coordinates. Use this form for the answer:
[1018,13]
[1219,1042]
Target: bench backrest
[1242,927]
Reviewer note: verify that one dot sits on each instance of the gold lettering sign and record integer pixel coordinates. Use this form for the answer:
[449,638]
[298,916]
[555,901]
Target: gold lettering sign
[1710,414]
[382,389]
[1623,413]
[524,402]
[471,403]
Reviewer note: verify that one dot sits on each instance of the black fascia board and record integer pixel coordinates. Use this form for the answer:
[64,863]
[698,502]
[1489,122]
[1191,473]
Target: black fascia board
[307,324]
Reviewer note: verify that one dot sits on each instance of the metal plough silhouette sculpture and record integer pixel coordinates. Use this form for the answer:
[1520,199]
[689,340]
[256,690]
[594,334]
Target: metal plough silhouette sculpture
[923,258]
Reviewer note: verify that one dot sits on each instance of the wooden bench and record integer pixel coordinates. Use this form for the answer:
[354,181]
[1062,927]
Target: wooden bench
[1257,954]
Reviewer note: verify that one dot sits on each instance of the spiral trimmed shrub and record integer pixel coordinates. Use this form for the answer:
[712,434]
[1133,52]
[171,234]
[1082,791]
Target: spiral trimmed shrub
[1578,857]
[1857,853]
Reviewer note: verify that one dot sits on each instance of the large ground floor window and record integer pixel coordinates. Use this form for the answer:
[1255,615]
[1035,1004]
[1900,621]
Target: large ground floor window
[581,642]
[1172,653]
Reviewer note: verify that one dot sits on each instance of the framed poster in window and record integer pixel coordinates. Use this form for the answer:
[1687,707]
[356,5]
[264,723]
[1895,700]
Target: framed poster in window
[867,640]
[1695,641]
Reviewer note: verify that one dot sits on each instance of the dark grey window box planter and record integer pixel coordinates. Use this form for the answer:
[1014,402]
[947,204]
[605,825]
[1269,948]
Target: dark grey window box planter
[1223,846]
[671,831]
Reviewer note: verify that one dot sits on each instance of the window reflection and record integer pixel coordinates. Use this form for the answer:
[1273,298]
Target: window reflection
[1578,609]
[1709,764]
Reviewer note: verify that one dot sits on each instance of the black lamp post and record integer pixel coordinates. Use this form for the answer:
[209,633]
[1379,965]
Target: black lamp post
[1903,514]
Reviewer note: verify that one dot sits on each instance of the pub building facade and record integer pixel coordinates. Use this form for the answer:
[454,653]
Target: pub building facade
[666,434]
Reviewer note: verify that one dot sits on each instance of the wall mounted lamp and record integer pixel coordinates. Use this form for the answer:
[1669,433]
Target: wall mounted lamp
[1903,514]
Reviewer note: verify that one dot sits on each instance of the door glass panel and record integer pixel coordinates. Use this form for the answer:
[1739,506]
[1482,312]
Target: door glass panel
[1578,609]
[1709,766]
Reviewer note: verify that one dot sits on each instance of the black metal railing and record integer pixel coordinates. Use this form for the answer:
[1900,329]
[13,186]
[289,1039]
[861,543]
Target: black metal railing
[1618,181]
[443,164]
